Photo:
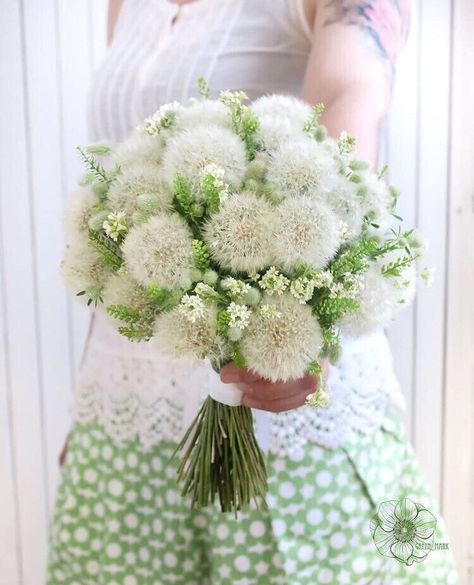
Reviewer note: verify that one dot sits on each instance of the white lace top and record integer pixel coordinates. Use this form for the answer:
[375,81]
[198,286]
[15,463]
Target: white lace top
[158,52]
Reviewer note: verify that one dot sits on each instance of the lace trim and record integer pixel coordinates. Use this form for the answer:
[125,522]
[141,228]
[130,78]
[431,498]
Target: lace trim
[152,398]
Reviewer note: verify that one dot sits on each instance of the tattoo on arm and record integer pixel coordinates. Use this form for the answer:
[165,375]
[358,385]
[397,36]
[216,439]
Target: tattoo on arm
[386,22]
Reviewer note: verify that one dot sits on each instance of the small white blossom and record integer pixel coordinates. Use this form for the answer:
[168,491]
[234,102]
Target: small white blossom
[322,279]
[344,232]
[192,307]
[115,225]
[239,315]
[217,173]
[162,118]
[302,289]
[273,282]
[236,288]
[232,98]
[205,291]
[269,311]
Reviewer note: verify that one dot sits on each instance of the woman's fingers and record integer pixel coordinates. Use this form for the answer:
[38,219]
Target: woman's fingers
[264,390]
[278,405]
[231,374]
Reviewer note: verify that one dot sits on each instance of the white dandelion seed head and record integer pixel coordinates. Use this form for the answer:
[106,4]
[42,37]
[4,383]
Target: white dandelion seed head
[203,113]
[190,151]
[239,234]
[380,297]
[80,207]
[301,166]
[122,289]
[342,198]
[138,147]
[83,270]
[281,346]
[282,106]
[138,180]
[307,231]
[275,130]
[177,335]
[160,251]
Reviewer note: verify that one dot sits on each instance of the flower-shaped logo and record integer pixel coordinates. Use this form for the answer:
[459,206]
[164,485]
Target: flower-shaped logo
[403,530]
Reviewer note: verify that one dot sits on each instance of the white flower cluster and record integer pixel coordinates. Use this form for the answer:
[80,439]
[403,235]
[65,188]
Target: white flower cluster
[221,228]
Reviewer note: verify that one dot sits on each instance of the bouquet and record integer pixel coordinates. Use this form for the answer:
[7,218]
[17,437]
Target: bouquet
[233,232]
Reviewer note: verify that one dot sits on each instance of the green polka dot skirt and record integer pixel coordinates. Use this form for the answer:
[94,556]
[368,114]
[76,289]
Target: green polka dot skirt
[120,520]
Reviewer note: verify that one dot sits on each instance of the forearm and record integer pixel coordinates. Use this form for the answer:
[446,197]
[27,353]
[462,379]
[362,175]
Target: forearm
[353,114]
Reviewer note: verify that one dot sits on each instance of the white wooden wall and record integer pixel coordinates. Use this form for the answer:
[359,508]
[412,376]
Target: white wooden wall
[48,50]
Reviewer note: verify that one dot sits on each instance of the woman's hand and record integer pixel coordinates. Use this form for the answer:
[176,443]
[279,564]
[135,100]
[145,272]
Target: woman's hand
[271,396]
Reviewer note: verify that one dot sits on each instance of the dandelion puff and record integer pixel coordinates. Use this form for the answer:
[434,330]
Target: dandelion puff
[138,147]
[176,334]
[346,204]
[306,230]
[80,207]
[376,202]
[279,343]
[122,289]
[84,272]
[280,118]
[289,107]
[301,166]
[190,151]
[160,251]
[239,234]
[203,113]
[380,297]
[138,180]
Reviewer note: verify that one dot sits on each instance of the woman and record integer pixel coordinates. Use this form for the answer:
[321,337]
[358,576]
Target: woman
[119,517]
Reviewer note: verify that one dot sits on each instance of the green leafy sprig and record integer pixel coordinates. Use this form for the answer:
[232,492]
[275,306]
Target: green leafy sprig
[108,250]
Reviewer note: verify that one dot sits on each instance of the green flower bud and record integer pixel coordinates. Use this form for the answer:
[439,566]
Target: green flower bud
[210,277]
[252,297]
[148,202]
[234,333]
[196,275]
[320,133]
[96,221]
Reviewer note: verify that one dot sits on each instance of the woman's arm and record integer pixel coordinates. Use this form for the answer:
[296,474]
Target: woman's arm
[350,69]
[351,66]
[114,9]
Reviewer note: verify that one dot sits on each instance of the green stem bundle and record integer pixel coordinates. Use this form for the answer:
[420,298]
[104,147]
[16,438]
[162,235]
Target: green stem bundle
[221,458]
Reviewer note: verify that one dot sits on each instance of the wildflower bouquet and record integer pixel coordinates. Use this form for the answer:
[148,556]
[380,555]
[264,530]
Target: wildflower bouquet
[234,232]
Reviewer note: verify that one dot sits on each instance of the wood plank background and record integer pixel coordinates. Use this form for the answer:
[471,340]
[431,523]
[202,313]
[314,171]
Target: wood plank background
[48,51]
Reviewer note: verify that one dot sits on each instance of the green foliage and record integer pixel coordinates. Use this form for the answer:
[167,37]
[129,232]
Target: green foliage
[203,88]
[396,267]
[331,344]
[245,122]
[124,313]
[237,357]
[185,204]
[200,255]
[164,299]
[98,149]
[107,249]
[330,310]
[95,168]
[312,123]
[137,331]
[211,194]
[353,260]
[223,321]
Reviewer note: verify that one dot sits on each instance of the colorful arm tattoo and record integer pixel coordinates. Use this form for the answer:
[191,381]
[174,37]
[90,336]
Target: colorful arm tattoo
[386,22]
